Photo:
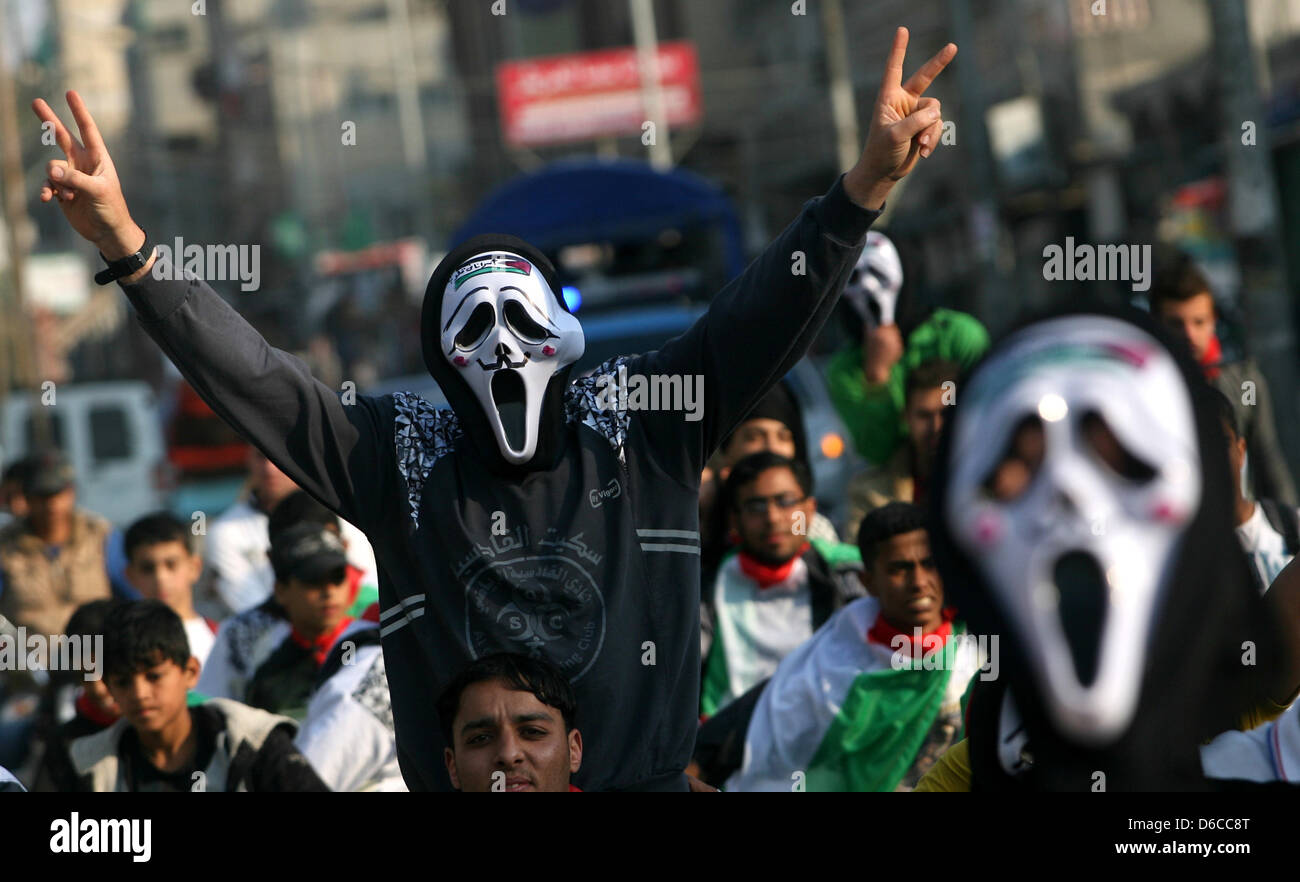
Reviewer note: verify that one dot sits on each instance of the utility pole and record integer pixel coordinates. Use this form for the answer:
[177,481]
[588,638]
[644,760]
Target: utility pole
[409,118]
[1255,219]
[18,226]
[982,207]
[652,95]
[843,110]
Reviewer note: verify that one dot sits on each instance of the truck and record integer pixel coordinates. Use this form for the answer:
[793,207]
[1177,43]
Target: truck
[109,431]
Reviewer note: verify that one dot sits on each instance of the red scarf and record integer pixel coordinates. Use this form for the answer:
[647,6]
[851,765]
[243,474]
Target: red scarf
[320,647]
[767,575]
[883,632]
[1210,360]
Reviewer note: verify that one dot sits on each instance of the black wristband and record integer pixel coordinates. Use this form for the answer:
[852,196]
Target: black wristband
[126,265]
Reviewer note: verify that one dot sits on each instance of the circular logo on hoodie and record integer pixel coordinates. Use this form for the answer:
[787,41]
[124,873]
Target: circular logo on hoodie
[544,606]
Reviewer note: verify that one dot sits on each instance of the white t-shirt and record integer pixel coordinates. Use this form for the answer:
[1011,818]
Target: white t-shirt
[758,627]
[201,638]
[1264,546]
[347,734]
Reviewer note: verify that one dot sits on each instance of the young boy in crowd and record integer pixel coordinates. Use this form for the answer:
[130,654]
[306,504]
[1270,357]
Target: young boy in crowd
[247,639]
[162,565]
[510,722]
[779,587]
[93,706]
[300,508]
[311,587]
[161,744]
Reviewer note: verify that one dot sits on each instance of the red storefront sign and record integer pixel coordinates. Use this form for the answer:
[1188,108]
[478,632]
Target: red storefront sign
[592,95]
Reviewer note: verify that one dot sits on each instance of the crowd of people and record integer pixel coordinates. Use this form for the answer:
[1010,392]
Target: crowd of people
[1070,555]
[800,684]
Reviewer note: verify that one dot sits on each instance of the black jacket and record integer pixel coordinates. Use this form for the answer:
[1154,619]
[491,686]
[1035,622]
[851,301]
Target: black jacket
[598,567]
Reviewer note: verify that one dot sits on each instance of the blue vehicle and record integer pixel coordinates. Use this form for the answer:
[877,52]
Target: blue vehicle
[640,253]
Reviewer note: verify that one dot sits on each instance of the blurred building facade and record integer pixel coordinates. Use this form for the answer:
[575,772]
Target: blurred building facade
[235,123]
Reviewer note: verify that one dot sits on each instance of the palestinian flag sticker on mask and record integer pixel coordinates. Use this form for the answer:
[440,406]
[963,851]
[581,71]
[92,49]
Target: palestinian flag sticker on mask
[490,263]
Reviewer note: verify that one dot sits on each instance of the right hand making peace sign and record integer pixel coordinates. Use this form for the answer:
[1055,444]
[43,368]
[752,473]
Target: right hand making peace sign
[86,185]
[905,127]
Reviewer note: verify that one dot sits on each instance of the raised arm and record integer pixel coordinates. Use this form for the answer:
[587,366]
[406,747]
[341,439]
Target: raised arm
[764,321]
[334,451]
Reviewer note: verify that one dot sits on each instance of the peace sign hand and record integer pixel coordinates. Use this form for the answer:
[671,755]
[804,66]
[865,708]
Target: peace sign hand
[905,127]
[86,185]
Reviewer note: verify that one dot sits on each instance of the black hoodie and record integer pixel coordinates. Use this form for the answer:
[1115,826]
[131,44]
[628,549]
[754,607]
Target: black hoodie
[594,559]
[1194,684]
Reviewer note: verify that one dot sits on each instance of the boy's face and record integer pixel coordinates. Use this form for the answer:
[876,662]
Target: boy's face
[314,608]
[506,737]
[755,436]
[1192,319]
[151,699]
[773,516]
[165,571]
[904,579]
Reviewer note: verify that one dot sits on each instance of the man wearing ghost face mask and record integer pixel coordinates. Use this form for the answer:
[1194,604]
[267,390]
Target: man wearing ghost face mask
[529,518]
[1083,513]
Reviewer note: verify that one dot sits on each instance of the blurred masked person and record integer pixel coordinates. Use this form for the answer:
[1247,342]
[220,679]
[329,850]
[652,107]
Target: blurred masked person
[1083,512]
[867,382]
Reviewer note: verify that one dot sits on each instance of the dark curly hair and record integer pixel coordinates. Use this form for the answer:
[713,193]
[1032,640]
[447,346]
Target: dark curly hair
[538,676]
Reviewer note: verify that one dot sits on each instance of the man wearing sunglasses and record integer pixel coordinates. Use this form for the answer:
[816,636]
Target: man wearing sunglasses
[779,586]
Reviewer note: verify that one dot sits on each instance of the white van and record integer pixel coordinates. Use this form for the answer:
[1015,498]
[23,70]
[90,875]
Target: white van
[111,434]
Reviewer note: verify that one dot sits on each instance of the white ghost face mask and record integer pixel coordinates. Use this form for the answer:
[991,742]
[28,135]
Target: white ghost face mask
[1075,470]
[876,281]
[506,334]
